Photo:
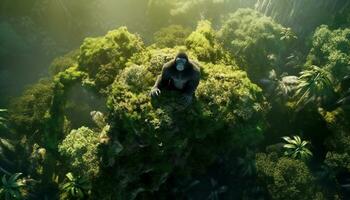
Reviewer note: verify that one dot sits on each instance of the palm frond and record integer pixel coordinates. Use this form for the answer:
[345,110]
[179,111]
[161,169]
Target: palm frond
[75,186]
[313,83]
[296,148]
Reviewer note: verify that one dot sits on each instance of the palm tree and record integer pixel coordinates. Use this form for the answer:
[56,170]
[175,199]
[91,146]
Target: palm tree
[12,188]
[75,187]
[296,148]
[314,84]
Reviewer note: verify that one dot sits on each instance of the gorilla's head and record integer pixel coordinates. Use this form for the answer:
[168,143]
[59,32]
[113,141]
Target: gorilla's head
[181,61]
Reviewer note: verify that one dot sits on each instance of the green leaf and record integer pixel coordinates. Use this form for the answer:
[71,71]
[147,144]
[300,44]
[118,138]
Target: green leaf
[14,177]
[308,152]
[6,143]
[13,184]
[4,181]
[15,194]
[72,191]
[297,139]
[287,139]
[304,143]
[70,176]
[8,196]
[80,194]
[289,146]
[20,183]
[67,185]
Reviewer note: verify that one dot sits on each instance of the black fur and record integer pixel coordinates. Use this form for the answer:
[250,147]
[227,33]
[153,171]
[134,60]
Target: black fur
[190,76]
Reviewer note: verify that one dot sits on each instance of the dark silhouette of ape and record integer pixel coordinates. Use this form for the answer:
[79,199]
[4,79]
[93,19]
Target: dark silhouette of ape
[179,74]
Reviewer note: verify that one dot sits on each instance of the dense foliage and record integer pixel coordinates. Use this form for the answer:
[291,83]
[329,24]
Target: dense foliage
[286,178]
[254,40]
[102,58]
[331,50]
[269,119]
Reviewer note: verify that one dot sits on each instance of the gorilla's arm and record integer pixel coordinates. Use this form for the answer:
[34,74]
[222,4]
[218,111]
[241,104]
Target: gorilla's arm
[192,84]
[164,77]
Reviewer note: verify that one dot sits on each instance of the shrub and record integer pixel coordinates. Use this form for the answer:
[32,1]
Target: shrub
[103,57]
[254,41]
[28,113]
[286,178]
[163,135]
[80,147]
[64,62]
[203,43]
[330,50]
[173,35]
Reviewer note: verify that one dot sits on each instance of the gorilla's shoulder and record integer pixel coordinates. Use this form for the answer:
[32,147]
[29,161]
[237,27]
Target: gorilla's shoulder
[168,64]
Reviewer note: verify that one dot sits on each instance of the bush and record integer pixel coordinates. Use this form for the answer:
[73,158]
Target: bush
[171,36]
[103,57]
[80,147]
[331,50]
[64,62]
[28,113]
[254,41]
[203,43]
[163,135]
[286,178]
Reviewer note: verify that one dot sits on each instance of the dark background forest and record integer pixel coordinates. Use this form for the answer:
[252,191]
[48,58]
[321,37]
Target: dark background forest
[270,118]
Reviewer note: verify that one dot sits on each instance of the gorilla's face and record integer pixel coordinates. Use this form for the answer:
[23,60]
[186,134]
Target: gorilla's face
[180,64]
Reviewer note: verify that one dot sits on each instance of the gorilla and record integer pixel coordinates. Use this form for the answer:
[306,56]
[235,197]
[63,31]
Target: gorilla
[179,74]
